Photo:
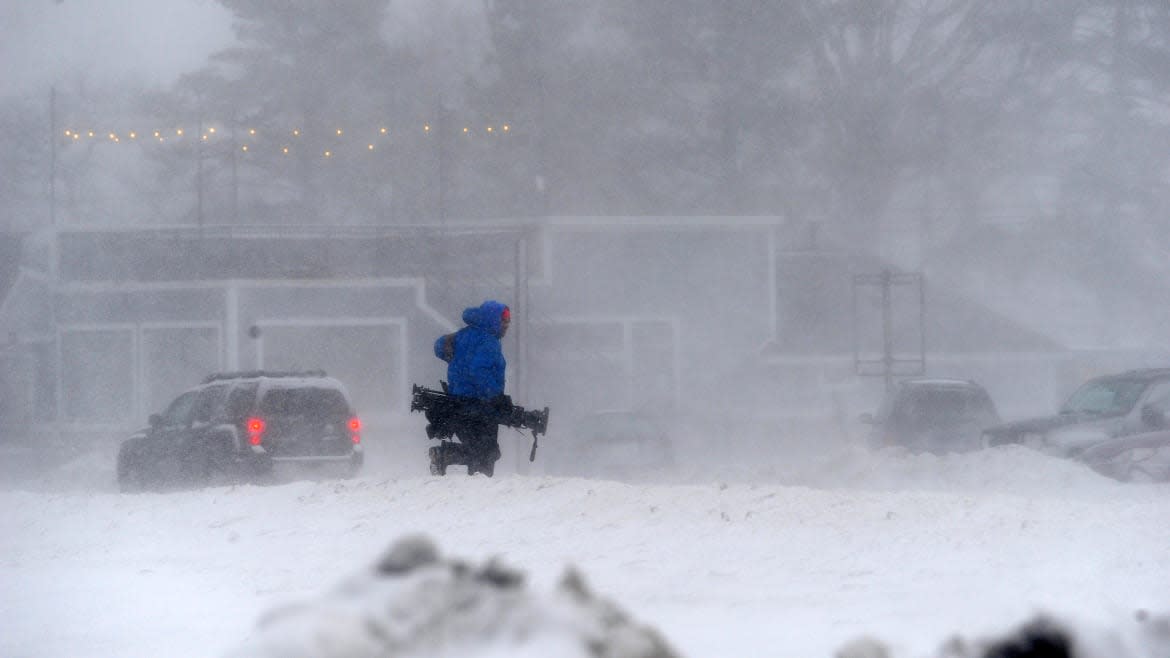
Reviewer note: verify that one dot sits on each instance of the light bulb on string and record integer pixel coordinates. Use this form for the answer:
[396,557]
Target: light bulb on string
[206,134]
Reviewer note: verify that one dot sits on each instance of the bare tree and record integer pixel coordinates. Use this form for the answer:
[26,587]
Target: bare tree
[707,105]
[302,102]
[914,87]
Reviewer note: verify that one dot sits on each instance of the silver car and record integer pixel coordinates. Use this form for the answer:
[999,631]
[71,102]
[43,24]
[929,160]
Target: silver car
[1131,402]
[1135,458]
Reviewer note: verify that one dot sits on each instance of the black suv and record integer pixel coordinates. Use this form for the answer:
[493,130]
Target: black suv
[1103,408]
[932,415]
[241,424]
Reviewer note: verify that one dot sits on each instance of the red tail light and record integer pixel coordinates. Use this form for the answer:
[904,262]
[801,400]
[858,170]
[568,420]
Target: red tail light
[255,430]
[355,429]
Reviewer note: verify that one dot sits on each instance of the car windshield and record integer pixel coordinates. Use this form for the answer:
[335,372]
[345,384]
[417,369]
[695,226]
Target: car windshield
[1105,397]
[307,401]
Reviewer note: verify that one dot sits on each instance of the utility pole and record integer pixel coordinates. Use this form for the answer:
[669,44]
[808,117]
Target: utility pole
[53,156]
[235,175]
[199,177]
[54,260]
[542,181]
[441,136]
[520,318]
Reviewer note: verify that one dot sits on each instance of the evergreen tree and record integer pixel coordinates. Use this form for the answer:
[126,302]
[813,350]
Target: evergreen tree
[545,70]
[715,123]
[308,112]
[1119,151]
[905,91]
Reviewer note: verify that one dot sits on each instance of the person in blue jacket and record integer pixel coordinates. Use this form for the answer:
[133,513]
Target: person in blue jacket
[475,374]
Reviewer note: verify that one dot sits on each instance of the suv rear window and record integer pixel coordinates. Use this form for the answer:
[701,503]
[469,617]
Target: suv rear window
[940,403]
[241,400]
[304,401]
[210,405]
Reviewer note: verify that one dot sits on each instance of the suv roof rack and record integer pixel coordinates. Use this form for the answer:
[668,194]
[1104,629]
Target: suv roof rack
[251,374]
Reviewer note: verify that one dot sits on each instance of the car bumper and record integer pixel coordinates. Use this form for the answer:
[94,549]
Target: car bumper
[263,460]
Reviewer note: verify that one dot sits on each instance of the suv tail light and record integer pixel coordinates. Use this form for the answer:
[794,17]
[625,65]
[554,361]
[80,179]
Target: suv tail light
[255,428]
[355,430]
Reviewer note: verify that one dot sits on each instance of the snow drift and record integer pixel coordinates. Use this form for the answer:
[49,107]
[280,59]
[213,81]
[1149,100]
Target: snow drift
[413,603]
[777,555]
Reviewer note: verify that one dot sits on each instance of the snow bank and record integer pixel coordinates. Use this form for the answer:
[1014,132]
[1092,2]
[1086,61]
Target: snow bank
[1045,636]
[772,556]
[414,603]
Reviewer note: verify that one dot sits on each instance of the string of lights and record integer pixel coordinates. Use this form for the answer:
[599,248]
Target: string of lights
[251,140]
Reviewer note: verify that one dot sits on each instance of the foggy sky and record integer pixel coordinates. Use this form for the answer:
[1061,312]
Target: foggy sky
[914,169]
[46,42]
[106,41]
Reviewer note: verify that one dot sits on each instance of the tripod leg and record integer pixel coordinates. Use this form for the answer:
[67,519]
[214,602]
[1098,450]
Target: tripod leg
[438,459]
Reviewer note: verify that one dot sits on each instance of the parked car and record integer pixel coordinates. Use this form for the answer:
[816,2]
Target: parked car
[244,424]
[613,443]
[1134,458]
[932,415]
[1131,402]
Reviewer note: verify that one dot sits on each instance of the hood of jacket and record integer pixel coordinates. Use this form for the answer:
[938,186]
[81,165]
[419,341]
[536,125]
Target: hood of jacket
[487,316]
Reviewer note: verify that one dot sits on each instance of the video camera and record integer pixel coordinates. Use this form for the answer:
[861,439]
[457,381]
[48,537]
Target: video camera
[445,412]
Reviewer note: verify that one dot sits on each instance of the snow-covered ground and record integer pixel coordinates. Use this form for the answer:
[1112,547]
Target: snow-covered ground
[769,556]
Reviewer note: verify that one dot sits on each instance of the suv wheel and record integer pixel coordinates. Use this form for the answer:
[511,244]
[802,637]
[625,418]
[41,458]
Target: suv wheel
[131,471]
[353,467]
[215,465]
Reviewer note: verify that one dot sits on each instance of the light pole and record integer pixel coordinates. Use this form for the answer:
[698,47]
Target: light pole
[53,156]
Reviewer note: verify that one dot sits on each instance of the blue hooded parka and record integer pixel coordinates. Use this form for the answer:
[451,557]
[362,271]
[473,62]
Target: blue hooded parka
[475,361]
